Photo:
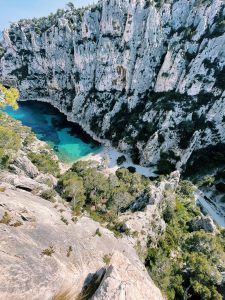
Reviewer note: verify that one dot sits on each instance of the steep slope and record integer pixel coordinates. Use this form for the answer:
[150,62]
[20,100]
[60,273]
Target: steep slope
[41,256]
[155,70]
[47,250]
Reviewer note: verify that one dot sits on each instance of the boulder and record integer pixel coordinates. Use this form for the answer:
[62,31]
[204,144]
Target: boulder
[23,182]
[125,281]
[47,179]
[204,223]
[23,163]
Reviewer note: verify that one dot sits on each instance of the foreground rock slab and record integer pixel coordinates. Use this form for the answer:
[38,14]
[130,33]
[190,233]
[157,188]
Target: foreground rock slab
[123,280]
[45,251]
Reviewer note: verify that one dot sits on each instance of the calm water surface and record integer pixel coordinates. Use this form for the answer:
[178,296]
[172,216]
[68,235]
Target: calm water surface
[68,140]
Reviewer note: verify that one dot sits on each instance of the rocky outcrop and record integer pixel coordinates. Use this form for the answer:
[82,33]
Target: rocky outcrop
[123,280]
[144,218]
[154,70]
[204,223]
[23,165]
[47,253]
[22,182]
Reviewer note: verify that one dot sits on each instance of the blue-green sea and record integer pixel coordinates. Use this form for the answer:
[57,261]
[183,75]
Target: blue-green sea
[67,139]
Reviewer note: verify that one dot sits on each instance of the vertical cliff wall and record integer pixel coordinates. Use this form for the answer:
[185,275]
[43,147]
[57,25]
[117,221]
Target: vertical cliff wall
[149,76]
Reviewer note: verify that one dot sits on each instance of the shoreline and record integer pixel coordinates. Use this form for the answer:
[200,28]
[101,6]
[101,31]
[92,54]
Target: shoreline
[106,152]
[110,156]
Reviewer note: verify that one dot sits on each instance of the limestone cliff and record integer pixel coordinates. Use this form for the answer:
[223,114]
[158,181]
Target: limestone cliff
[154,70]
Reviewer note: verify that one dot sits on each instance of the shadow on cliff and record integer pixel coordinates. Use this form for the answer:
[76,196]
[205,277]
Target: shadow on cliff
[90,286]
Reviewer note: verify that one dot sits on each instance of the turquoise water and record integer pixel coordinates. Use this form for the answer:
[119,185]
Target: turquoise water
[67,139]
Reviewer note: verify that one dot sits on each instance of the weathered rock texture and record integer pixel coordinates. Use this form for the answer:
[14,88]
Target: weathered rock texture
[156,71]
[42,257]
[123,280]
[204,223]
[144,216]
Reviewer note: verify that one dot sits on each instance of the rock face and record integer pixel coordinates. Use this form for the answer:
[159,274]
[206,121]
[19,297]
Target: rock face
[45,253]
[123,280]
[157,71]
[204,223]
[22,182]
[146,219]
[23,164]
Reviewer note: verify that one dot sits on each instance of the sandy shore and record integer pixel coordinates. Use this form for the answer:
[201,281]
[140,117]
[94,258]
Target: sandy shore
[111,155]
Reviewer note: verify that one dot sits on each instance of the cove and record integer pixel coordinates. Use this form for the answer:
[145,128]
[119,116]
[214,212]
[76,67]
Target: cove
[68,140]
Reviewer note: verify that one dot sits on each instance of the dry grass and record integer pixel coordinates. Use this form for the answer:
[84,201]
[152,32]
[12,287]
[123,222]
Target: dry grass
[65,295]
[69,250]
[107,258]
[48,251]
[90,289]
[87,292]
[2,189]
[17,224]
[6,219]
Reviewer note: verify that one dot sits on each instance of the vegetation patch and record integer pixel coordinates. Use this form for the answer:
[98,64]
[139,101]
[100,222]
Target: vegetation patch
[48,251]
[167,162]
[45,163]
[10,143]
[64,220]
[186,262]
[106,258]
[121,159]
[69,251]
[2,189]
[103,197]
[49,195]
[6,219]
[98,232]
[205,159]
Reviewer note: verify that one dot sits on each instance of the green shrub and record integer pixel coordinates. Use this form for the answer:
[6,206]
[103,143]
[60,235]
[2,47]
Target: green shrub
[2,52]
[10,96]
[64,220]
[103,197]
[72,189]
[69,251]
[22,72]
[29,139]
[121,160]
[6,219]
[131,169]
[165,165]
[220,186]
[48,251]
[98,232]
[2,189]
[185,189]
[10,143]
[207,181]
[44,163]
[184,261]
[49,195]
[106,258]
[77,77]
